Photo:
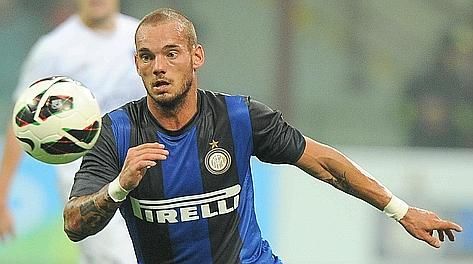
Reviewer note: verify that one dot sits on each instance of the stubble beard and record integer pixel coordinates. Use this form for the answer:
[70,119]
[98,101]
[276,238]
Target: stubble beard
[173,104]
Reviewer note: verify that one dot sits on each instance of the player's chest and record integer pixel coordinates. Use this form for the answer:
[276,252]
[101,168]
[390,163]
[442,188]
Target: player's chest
[200,161]
[198,180]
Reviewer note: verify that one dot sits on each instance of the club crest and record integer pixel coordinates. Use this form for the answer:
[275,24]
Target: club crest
[217,160]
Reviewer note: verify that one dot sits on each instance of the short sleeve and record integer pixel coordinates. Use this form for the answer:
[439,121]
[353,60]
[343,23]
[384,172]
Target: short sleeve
[274,140]
[100,165]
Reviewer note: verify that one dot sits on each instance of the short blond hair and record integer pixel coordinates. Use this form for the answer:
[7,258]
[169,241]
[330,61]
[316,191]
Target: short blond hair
[165,15]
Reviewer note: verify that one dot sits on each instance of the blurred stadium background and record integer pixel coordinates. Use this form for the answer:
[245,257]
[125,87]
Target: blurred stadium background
[390,83]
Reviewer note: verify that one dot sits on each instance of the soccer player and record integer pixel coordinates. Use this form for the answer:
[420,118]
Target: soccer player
[94,46]
[177,163]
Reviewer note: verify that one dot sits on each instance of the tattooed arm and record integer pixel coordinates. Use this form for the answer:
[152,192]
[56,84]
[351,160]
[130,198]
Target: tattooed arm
[331,166]
[87,215]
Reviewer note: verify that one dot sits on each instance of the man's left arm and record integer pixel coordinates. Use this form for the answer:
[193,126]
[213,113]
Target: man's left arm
[331,166]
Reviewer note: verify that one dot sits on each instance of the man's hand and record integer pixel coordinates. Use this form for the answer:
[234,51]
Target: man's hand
[421,224]
[6,223]
[138,160]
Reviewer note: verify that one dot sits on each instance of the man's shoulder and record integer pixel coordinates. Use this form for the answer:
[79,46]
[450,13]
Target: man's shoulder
[213,99]
[221,95]
[126,26]
[128,20]
[131,108]
[61,32]
[48,45]
[69,25]
[73,26]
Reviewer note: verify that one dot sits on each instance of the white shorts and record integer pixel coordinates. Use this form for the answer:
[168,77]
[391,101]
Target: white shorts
[110,245]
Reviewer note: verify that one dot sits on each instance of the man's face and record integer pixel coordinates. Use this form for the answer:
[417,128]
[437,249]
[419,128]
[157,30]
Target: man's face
[97,10]
[166,62]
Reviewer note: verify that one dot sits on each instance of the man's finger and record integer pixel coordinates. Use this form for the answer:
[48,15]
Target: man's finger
[450,235]
[433,241]
[441,235]
[150,145]
[447,225]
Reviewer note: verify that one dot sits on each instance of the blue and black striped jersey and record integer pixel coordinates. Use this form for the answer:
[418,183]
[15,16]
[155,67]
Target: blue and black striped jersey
[197,206]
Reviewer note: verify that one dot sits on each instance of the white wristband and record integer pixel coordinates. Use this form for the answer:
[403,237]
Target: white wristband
[396,208]
[116,191]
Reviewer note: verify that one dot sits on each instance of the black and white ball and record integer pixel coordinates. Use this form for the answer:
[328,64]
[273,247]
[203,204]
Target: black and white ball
[56,120]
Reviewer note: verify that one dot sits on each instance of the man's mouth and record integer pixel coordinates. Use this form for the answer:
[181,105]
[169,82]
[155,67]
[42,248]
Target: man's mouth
[161,84]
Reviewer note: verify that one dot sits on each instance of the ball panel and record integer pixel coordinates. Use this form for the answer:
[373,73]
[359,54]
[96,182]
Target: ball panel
[61,146]
[27,141]
[27,113]
[25,117]
[87,135]
[55,105]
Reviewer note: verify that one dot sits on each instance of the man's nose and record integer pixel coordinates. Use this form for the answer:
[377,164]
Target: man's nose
[159,66]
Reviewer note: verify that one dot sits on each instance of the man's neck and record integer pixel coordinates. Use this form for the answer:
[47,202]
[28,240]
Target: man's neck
[175,119]
[104,24]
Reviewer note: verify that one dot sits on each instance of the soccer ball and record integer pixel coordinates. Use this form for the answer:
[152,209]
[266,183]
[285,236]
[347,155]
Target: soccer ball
[56,120]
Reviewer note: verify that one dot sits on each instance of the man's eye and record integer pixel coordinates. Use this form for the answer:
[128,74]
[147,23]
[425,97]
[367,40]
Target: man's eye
[145,57]
[172,54]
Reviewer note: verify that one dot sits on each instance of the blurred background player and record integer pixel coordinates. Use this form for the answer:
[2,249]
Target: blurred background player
[95,47]
[440,97]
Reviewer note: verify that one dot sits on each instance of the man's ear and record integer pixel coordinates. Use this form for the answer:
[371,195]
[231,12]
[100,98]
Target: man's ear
[135,56]
[198,57]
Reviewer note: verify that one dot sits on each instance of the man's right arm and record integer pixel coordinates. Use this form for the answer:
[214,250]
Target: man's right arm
[87,215]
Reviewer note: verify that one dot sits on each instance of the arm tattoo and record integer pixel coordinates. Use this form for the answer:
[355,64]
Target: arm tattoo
[92,214]
[341,182]
[86,215]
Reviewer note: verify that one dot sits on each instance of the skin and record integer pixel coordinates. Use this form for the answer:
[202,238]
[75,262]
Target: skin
[329,165]
[99,16]
[7,170]
[163,53]
[167,67]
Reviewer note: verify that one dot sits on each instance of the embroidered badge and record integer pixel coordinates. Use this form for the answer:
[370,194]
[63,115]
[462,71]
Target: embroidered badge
[217,160]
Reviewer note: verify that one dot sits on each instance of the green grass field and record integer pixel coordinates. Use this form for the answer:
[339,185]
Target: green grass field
[46,245]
